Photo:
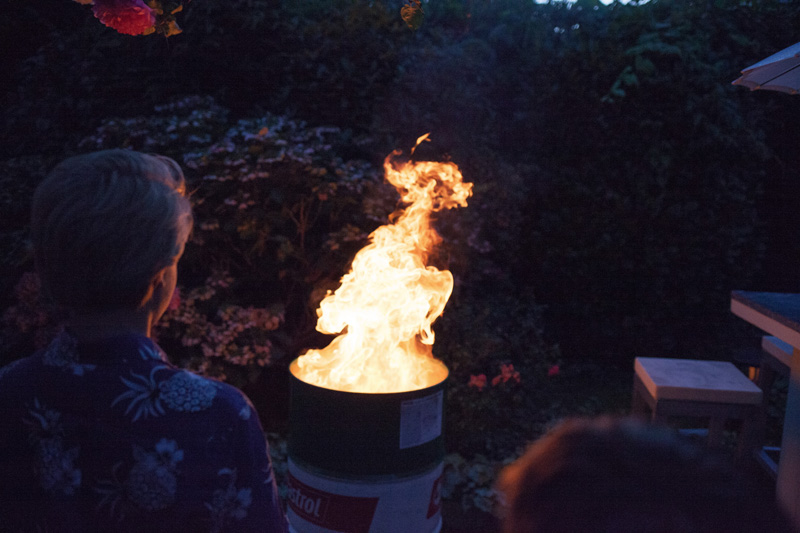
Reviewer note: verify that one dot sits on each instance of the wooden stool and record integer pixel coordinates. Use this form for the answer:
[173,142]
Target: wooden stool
[705,389]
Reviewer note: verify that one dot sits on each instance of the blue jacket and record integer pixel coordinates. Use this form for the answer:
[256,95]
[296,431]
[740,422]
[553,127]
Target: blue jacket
[110,436]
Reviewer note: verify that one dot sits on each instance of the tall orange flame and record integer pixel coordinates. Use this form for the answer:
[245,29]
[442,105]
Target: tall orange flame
[386,304]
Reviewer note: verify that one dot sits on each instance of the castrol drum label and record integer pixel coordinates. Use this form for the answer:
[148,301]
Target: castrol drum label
[322,504]
[331,511]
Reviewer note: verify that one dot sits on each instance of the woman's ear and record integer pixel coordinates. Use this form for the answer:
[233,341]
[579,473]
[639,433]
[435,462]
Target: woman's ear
[162,288]
[158,279]
[154,287]
[159,283]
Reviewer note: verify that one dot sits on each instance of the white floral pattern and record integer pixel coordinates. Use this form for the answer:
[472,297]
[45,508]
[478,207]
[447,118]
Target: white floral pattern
[151,352]
[63,353]
[182,392]
[229,503]
[112,495]
[54,465]
[143,393]
[247,409]
[187,392]
[151,483]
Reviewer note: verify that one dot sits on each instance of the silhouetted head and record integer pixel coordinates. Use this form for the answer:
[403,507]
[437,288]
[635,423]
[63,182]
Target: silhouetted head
[625,476]
[104,224]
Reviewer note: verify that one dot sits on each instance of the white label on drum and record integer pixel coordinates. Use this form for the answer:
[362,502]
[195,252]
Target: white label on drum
[420,420]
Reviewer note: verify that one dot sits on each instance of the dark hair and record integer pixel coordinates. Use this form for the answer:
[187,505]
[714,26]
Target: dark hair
[617,475]
[103,224]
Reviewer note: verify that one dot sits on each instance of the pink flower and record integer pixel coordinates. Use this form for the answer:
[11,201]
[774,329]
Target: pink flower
[507,373]
[553,371]
[131,17]
[479,381]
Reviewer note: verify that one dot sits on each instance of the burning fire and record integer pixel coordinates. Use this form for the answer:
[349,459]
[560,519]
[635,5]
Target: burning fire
[386,304]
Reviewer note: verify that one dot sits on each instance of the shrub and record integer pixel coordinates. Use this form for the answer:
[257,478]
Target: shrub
[278,215]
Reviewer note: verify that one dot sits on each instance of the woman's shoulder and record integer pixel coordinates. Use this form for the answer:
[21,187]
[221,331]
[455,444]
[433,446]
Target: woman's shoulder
[13,370]
[19,382]
[186,391]
[235,400]
[19,374]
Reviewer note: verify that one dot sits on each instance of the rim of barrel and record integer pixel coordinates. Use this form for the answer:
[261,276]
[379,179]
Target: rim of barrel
[293,367]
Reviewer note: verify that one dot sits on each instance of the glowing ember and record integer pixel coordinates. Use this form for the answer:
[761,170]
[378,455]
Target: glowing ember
[386,304]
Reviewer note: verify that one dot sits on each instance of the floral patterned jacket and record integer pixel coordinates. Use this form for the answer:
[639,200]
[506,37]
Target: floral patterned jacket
[112,437]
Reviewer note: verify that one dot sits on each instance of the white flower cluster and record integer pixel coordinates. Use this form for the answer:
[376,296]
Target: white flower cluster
[186,391]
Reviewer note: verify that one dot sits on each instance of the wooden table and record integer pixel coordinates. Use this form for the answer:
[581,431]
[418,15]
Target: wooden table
[778,314]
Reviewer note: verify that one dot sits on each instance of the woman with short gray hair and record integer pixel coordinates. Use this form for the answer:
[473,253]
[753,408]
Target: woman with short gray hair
[99,432]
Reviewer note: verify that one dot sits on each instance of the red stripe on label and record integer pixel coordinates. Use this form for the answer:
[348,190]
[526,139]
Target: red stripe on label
[436,497]
[345,514]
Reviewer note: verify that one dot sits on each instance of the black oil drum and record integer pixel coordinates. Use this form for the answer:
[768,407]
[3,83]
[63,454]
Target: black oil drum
[363,462]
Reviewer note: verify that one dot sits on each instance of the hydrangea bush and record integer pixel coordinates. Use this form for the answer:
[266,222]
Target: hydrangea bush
[279,213]
[29,323]
[471,482]
[278,216]
[234,336]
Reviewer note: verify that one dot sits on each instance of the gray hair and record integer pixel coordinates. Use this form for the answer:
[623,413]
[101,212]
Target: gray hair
[103,224]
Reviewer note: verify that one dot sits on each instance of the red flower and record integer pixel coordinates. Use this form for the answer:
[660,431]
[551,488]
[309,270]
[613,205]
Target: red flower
[553,371]
[479,381]
[131,17]
[507,372]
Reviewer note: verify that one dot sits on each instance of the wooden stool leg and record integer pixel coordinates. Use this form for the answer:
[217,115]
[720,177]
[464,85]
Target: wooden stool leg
[640,406]
[754,431]
[752,434]
[638,403]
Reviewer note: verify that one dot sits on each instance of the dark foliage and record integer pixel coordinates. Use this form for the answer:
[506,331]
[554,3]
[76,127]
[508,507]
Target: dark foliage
[619,178]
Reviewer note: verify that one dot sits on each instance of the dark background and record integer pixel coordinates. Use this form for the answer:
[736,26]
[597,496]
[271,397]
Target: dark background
[623,185]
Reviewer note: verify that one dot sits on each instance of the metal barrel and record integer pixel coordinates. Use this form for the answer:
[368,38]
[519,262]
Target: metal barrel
[365,463]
